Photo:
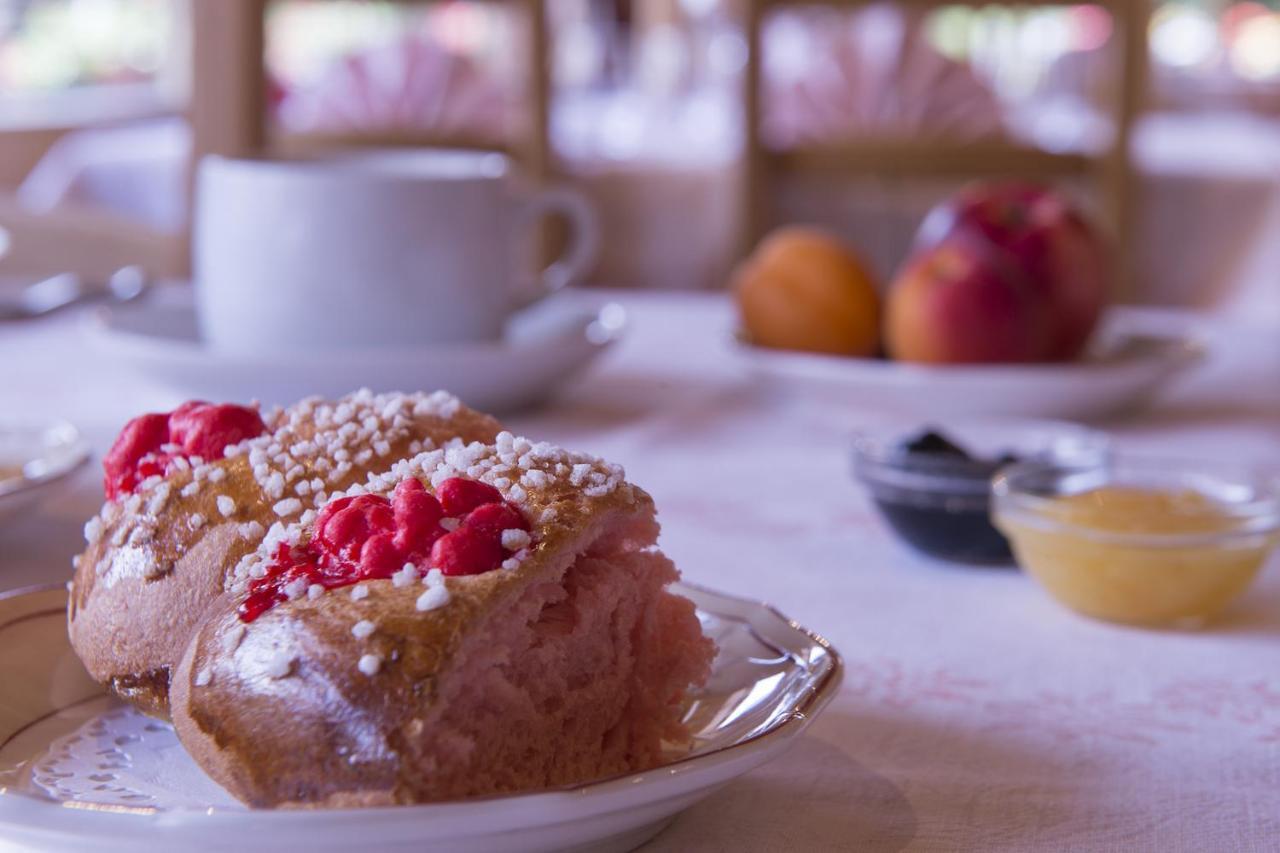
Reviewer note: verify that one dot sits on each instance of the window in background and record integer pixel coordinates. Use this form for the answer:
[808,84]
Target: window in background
[874,73]
[1203,53]
[1051,69]
[1217,55]
[337,66]
[1238,41]
[74,61]
[620,70]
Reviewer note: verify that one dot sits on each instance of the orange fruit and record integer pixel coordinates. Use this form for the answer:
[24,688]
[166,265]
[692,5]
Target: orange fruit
[802,289]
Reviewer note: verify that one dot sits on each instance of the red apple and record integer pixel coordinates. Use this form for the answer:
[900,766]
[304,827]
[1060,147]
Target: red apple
[949,306]
[1003,272]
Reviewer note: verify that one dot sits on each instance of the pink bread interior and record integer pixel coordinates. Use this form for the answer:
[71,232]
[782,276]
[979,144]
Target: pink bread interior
[582,680]
[570,667]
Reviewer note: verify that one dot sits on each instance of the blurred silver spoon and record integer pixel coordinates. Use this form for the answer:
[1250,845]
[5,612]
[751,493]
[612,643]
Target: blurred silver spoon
[66,289]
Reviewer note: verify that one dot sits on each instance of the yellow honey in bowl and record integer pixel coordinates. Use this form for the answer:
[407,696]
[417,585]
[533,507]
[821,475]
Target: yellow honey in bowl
[1139,556]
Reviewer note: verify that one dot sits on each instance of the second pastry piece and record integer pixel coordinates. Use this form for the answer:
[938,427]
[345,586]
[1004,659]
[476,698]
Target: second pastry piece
[191,491]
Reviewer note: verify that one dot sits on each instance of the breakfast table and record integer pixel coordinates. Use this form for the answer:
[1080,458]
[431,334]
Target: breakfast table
[975,712]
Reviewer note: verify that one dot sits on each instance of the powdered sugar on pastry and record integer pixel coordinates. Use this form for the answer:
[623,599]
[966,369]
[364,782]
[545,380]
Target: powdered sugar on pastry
[561,475]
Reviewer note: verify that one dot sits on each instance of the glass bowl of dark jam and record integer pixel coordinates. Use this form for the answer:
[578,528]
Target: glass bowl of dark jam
[932,482]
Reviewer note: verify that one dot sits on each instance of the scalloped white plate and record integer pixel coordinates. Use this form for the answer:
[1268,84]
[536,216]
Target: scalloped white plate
[81,771]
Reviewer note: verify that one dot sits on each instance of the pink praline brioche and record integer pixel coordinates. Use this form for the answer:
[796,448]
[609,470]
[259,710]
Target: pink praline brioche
[568,664]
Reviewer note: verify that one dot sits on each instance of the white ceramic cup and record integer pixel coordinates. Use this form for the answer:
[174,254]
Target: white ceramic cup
[378,249]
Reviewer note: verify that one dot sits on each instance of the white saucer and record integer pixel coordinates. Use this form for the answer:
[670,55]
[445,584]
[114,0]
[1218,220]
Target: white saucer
[544,346]
[35,460]
[81,771]
[1134,356]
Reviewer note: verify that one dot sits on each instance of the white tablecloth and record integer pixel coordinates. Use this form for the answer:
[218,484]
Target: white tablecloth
[976,714]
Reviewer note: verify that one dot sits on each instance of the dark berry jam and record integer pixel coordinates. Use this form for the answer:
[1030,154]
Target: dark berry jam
[935,495]
[959,533]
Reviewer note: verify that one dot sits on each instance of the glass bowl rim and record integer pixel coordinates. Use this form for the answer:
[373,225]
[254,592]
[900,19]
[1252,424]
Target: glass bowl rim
[875,466]
[1258,516]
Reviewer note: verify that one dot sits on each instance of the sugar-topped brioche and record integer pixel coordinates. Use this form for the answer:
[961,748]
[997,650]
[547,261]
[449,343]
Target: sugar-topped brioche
[192,491]
[477,618]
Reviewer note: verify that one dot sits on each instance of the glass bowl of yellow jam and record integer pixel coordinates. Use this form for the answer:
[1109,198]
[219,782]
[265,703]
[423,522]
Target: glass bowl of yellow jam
[1149,542]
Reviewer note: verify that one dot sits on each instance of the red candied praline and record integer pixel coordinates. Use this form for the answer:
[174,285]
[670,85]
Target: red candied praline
[368,537]
[196,428]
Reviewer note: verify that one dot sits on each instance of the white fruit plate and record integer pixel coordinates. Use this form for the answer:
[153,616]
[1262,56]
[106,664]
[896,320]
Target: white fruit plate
[81,771]
[1133,357]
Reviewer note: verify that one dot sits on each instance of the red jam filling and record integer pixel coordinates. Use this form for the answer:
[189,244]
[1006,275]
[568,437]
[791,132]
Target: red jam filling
[149,443]
[369,537]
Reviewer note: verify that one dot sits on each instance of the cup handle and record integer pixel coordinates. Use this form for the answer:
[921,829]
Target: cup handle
[577,259]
